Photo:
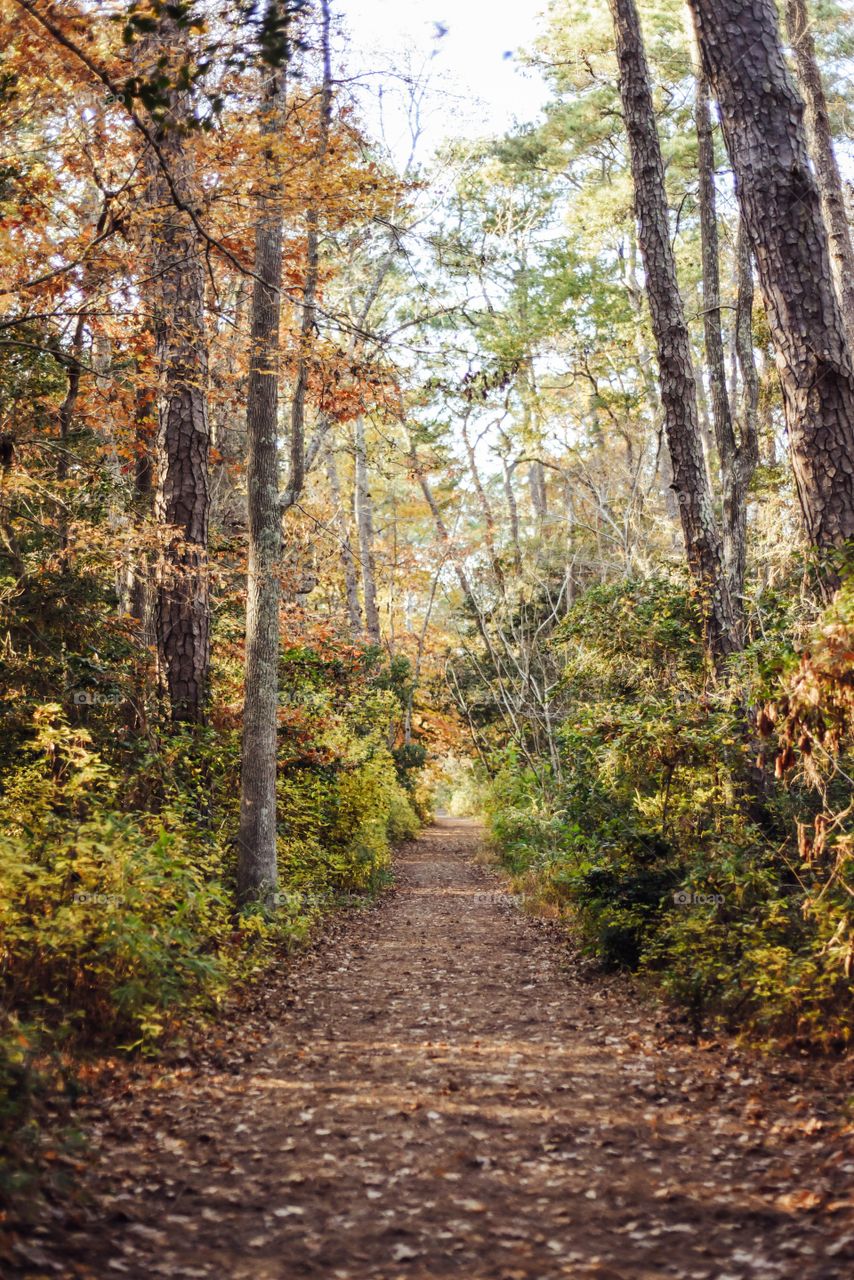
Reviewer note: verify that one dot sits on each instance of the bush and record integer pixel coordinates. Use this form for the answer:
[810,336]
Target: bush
[108,920]
[670,848]
[117,863]
[403,823]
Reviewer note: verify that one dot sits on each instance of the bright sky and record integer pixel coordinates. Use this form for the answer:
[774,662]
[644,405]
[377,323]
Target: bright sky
[470,46]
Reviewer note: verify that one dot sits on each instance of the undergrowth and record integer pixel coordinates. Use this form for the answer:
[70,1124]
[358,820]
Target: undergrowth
[118,926]
[700,829]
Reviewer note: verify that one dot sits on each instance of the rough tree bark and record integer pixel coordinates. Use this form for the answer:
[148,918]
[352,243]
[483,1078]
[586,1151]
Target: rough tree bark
[181,603]
[663,468]
[256,843]
[762,120]
[676,373]
[738,458]
[824,159]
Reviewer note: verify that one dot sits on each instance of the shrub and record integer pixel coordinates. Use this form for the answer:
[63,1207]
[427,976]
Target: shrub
[108,920]
[671,849]
[117,864]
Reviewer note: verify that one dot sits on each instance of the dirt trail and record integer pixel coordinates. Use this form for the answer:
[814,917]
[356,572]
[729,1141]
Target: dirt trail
[446,1096]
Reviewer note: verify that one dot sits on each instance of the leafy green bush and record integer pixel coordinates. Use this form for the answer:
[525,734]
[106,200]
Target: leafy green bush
[108,920]
[117,862]
[667,838]
[402,823]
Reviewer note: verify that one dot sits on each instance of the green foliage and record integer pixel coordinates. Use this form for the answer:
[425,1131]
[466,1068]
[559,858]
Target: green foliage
[523,825]
[672,850]
[117,862]
[109,920]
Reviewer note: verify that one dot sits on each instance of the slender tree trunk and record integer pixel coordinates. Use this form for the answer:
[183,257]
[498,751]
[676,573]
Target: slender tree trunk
[676,373]
[738,459]
[419,658]
[713,331]
[348,561]
[257,860]
[762,120]
[747,454]
[824,159]
[512,512]
[537,488]
[485,507]
[530,436]
[508,469]
[707,435]
[309,296]
[365,522]
[664,470]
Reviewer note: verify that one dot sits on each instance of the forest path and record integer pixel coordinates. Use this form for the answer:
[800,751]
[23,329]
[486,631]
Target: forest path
[445,1097]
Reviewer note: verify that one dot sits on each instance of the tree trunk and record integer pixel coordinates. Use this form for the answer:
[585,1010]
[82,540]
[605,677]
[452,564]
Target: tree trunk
[762,121]
[676,373]
[747,454]
[512,512]
[485,507]
[537,488]
[713,332]
[141,583]
[309,296]
[824,160]
[348,562]
[181,606]
[365,522]
[257,860]
[707,435]
[508,469]
[663,470]
[737,459]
